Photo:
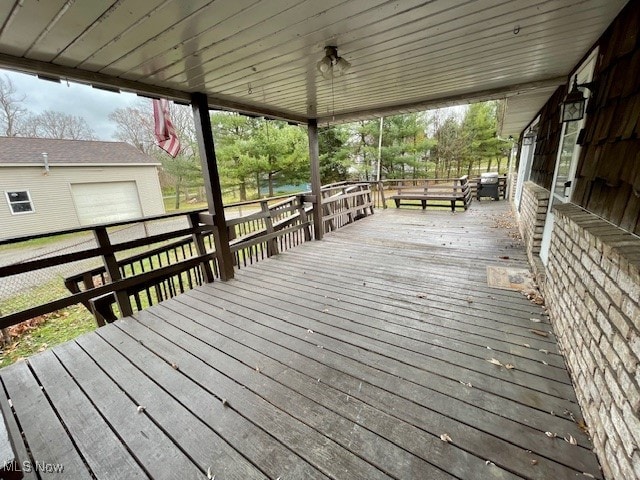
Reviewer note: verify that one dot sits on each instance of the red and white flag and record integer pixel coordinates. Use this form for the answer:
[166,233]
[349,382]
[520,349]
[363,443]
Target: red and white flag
[164,130]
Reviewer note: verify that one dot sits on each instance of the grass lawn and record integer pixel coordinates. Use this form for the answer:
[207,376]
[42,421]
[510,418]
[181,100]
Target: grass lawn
[45,241]
[170,205]
[47,330]
[58,327]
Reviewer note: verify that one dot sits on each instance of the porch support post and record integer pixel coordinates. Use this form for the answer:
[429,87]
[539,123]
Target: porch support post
[204,135]
[316,185]
[111,266]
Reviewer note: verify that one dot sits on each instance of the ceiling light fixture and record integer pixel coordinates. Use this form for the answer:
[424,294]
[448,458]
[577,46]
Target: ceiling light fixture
[331,64]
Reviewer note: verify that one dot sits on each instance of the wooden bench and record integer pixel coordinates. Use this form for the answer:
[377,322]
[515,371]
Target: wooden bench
[457,192]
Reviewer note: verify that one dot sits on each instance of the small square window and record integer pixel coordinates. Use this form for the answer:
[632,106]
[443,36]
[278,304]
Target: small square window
[19,202]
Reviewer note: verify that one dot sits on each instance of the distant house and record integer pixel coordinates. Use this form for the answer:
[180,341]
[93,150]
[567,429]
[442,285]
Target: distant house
[48,185]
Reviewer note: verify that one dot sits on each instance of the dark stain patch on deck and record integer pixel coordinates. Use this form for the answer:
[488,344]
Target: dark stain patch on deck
[380,352]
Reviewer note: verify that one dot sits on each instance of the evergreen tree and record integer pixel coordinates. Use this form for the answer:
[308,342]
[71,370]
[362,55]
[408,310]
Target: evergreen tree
[280,152]
[334,154]
[232,133]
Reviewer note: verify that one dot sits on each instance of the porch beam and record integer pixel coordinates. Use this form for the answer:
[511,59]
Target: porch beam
[316,184]
[212,188]
[441,102]
[107,82]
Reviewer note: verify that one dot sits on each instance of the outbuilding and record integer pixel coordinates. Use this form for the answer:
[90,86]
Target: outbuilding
[46,184]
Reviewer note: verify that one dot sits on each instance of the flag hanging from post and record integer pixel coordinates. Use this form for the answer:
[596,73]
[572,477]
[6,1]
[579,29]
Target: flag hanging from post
[165,132]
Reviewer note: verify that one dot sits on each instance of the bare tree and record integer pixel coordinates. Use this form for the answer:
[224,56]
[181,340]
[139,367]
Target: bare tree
[11,110]
[52,124]
[135,126]
[182,119]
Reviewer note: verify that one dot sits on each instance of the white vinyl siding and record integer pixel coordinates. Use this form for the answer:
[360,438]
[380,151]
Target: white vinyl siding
[106,202]
[54,208]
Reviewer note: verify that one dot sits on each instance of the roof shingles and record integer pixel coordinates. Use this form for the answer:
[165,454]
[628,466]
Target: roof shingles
[27,151]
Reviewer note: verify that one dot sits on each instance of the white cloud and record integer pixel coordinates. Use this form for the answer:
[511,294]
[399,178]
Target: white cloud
[75,99]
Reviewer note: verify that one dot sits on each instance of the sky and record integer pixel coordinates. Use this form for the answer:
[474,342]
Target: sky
[72,98]
[93,104]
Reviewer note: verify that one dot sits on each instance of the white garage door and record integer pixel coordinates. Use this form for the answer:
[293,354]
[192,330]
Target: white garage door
[106,202]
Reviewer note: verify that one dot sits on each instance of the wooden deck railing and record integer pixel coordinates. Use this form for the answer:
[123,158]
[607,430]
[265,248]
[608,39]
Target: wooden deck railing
[172,262]
[344,202]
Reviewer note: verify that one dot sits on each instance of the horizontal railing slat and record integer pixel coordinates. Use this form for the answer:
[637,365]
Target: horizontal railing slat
[40,263]
[119,285]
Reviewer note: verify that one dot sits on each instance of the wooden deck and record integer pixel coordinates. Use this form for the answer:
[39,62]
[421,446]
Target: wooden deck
[346,359]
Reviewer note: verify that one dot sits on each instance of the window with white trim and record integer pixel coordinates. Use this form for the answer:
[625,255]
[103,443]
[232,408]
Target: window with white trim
[19,202]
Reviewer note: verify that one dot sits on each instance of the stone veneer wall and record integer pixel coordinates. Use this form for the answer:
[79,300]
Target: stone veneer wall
[533,211]
[592,294]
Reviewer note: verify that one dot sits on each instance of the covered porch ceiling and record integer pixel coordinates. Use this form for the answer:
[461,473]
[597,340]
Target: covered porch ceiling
[259,57]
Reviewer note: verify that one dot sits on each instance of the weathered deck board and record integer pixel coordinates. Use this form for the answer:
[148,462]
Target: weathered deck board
[243,434]
[360,321]
[47,439]
[344,359]
[412,313]
[239,390]
[84,422]
[428,416]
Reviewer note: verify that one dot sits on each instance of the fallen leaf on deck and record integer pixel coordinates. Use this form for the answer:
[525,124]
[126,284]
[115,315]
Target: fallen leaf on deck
[534,462]
[174,366]
[583,426]
[544,363]
[489,348]
[588,475]
[445,438]
[539,332]
[544,351]
[466,384]
[571,440]
[508,366]
[495,362]
[310,331]
[526,345]
[209,475]
[550,434]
